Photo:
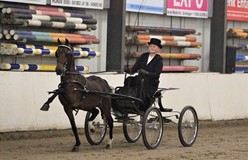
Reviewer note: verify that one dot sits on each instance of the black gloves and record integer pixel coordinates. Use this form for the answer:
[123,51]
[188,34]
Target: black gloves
[140,72]
[127,70]
[143,72]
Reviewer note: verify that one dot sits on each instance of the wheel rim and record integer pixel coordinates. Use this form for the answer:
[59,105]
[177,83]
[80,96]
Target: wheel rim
[98,134]
[99,130]
[133,129]
[189,126]
[153,129]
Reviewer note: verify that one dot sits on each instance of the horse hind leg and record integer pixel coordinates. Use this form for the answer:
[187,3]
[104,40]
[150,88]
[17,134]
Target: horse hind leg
[94,112]
[111,126]
[106,111]
[74,129]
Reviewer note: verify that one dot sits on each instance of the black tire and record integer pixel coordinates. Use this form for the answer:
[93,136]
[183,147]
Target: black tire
[132,128]
[152,128]
[100,125]
[188,126]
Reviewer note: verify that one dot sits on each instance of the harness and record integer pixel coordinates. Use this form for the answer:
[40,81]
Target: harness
[65,80]
[61,90]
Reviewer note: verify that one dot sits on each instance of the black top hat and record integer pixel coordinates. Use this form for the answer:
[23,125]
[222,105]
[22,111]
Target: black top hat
[156,42]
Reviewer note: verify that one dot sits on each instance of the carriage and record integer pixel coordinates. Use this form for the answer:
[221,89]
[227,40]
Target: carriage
[93,94]
[138,119]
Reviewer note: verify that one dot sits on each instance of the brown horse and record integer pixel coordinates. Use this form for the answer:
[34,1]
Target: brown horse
[74,92]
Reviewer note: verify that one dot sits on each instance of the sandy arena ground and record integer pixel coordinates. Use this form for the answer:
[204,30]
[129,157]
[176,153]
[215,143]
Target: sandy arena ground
[222,140]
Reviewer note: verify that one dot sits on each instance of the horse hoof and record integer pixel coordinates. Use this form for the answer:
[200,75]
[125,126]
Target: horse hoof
[92,130]
[75,149]
[108,146]
[45,107]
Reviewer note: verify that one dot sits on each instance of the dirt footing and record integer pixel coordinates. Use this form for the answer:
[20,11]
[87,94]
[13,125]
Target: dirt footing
[19,135]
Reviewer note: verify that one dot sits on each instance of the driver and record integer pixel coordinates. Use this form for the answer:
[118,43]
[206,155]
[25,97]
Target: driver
[149,66]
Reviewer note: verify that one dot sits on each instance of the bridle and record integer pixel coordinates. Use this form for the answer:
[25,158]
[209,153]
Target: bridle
[65,63]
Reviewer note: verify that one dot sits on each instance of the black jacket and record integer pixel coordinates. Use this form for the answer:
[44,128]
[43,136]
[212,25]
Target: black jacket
[154,69]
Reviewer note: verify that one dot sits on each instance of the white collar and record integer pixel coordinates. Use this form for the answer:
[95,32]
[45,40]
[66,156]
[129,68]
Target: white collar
[150,57]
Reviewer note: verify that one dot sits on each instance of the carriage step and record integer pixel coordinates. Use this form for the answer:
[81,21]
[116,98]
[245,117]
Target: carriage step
[165,109]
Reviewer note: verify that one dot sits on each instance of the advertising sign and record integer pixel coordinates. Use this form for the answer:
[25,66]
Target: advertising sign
[28,1]
[237,10]
[187,8]
[146,6]
[92,4]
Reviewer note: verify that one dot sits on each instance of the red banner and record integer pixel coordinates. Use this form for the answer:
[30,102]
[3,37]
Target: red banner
[237,10]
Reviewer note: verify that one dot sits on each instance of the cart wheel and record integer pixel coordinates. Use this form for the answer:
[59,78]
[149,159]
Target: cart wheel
[132,128]
[152,128]
[100,127]
[188,126]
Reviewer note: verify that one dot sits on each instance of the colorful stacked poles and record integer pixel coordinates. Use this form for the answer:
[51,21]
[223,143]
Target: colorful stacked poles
[241,58]
[191,56]
[43,16]
[237,32]
[32,36]
[180,68]
[173,41]
[37,67]
[22,15]
[22,49]
[165,37]
[161,30]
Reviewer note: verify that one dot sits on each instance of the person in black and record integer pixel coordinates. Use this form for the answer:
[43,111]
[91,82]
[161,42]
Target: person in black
[149,67]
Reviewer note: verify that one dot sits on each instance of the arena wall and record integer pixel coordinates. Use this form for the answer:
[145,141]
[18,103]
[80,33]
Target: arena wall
[215,97]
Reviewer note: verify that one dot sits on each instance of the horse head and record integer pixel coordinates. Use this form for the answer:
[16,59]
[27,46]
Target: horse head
[65,58]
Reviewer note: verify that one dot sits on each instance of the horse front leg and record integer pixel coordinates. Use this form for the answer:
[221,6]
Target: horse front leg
[74,129]
[46,105]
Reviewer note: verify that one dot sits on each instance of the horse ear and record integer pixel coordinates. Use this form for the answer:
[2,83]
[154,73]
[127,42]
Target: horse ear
[59,42]
[66,42]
